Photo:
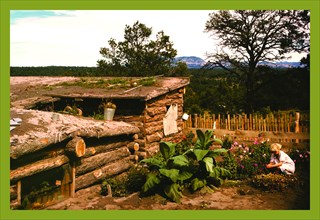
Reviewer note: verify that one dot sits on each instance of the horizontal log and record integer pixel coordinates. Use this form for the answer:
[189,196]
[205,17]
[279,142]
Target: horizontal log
[156,137]
[165,102]
[141,142]
[37,167]
[141,155]
[40,155]
[104,148]
[91,163]
[33,145]
[152,130]
[156,110]
[76,147]
[155,118]
[174,96]
[133,146]
[112,129]
[153,123]
[137,136]
[153,148]
[107,171]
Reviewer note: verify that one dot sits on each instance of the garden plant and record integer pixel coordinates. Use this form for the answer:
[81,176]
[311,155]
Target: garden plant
[196,168]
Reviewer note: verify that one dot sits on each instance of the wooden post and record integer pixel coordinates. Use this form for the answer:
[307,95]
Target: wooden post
[297,122]
[19,192]
[73,184]
[297,129]
[228,120]
[195,120]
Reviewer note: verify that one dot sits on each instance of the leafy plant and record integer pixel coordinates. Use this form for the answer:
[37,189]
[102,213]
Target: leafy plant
[108,104]
[195,168]
[167,172]
[273,182]
[301,158]
[245,161]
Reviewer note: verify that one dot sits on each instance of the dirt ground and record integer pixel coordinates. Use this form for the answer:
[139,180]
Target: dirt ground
[236,197]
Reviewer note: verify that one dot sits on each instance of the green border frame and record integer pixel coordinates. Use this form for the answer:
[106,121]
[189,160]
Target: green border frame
[7,5]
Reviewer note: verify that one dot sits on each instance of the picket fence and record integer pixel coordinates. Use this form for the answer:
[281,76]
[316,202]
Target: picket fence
[280,122]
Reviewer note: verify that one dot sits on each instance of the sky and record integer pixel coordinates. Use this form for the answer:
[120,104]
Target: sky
[74,38]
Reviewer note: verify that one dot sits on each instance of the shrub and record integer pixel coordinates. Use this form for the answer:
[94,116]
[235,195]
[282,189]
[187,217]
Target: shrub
[301,158]
[245,161]
[124,185]
[274,182]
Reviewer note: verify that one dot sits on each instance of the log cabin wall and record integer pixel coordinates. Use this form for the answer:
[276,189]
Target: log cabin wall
[155,112]
[54,171]
[150,122]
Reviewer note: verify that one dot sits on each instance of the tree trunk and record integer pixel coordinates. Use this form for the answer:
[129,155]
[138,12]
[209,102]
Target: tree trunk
[76,147]
[104,172]
[103,148]
[37,167]
[99,160]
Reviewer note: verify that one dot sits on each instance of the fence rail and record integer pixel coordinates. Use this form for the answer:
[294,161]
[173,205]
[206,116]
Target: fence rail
[280,122]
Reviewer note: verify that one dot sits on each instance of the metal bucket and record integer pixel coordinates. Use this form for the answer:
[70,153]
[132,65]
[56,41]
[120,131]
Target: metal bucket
[109,113]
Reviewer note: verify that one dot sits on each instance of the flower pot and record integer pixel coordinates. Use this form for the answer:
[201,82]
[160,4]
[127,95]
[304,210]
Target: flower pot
[109,113]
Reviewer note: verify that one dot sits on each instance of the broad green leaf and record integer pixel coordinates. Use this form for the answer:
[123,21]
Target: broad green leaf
[220,150]
[172,191]
[200,135]
[173,174]
[167,149]
[200,154]
[152,180]
[180,160]
[198,184]
[223,172]
[215,173]
[184,175]
[218,141]
[153,161]
[209,163]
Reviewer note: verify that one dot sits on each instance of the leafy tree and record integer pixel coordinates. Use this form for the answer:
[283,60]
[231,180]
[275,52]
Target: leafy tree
[138,55]
[247,37]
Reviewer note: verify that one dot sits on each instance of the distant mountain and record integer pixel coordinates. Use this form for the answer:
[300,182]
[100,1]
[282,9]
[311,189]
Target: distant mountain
[194,62]
[283,64]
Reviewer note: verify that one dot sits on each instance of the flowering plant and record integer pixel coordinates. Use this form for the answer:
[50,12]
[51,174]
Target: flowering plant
[301,157]
[109,104]
[246,160]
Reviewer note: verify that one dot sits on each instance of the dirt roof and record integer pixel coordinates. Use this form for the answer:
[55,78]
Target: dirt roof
[144,88]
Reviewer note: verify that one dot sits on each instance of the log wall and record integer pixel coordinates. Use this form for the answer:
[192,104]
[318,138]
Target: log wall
[150,122]
[104,157]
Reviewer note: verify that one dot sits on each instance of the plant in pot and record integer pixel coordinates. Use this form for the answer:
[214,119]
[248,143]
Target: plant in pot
[109,110]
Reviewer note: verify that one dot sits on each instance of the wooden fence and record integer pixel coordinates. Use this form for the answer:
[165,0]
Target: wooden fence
[280,122]
[286,128]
